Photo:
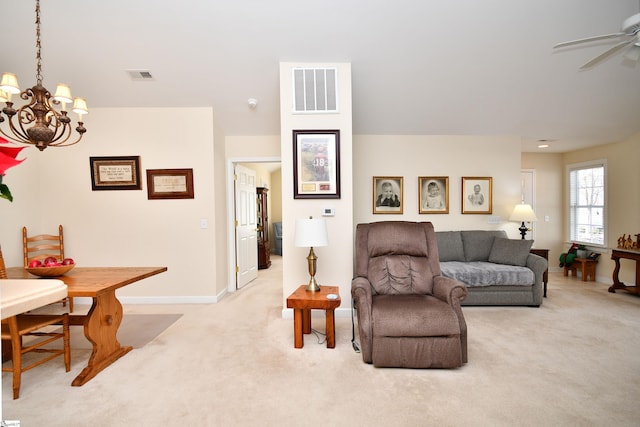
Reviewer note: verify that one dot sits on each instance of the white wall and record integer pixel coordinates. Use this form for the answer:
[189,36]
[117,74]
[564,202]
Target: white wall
[431,155]
[335,264]
[123,228]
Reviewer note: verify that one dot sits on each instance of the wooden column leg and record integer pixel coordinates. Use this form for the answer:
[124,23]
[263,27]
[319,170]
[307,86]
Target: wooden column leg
[306,321]
[101,328]
[298,339]
[330,328]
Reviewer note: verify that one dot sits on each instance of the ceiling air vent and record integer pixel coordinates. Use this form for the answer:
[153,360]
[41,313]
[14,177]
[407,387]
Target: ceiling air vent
[140,75]
[315,90]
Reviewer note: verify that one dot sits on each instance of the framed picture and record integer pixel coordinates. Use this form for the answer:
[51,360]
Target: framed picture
[169,184]
[316,164]
[115,173]
[476,195]
[433,194]
[387,194]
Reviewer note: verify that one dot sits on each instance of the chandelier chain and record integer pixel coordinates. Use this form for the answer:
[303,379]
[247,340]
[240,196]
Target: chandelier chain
[38,45]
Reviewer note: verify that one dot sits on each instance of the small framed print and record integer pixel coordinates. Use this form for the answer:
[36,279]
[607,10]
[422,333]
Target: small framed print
[170,184]
[316,164]
[433,194]
[477,195]
[115,173]
[387,194]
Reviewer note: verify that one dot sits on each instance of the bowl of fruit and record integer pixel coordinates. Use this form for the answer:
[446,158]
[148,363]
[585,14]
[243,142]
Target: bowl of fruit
[50,267]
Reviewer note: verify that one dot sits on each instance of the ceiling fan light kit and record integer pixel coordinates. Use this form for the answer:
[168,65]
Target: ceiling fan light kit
[630,33]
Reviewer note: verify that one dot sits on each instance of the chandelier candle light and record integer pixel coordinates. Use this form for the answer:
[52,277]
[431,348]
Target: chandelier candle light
[312,233]
[523,212]
[49,127]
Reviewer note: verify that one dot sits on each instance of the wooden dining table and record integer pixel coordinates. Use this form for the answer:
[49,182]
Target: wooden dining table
[103,319]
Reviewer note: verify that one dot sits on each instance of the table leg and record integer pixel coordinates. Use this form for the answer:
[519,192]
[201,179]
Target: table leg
[306,321]
[101,327]
[617,284]
[298,339]
[330,328]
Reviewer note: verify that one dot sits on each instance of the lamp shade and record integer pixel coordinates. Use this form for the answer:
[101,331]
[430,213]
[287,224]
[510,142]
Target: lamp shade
[523,212]
[63,93]
[9,83]
[311,233]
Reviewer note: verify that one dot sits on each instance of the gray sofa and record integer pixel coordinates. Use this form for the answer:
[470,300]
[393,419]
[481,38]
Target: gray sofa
[496,270]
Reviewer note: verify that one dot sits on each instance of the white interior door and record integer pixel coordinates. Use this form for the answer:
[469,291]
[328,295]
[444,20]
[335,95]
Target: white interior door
[246,230]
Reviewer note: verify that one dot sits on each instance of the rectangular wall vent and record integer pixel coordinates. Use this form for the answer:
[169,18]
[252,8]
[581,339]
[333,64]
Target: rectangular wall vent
[140,74]
[315,90]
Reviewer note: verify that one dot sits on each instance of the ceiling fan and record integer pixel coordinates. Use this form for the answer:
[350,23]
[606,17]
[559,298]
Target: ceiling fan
[630,35]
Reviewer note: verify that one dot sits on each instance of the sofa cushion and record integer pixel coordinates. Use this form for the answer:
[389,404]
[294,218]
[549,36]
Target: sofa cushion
[478,243]
[487,273]
[510,251]
[450,246]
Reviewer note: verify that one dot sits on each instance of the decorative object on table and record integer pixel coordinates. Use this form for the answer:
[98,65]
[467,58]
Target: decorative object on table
[477,195]
[51,271]
[311,233]
[388,194]
[115,173]
[625,242]
[316,164]
[51,127]
[582,251]
[433,194]
[8,160]
[523,213]
[170,184]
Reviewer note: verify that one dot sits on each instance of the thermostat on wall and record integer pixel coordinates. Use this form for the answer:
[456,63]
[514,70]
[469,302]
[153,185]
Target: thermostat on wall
[328,212]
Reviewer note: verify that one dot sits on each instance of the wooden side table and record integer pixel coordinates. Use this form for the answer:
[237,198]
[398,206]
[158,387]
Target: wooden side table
[587,267]
[544,253]
[303,301]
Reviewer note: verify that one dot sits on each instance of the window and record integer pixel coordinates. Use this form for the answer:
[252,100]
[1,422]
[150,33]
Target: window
[587,202]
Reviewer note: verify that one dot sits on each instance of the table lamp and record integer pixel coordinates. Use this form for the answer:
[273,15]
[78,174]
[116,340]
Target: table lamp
[313,233]
[523,212]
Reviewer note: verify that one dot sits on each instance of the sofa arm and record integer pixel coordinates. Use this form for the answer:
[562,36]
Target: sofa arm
[361,293]
[538,265]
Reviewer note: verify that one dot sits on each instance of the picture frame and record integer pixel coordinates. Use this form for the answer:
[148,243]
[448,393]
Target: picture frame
[433,194]
[391,186]
[477,195]
[316,164]
[170,184]
[115,173]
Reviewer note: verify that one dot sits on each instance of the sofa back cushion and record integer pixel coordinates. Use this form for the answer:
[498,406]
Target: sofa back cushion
[450,246]
[478,243]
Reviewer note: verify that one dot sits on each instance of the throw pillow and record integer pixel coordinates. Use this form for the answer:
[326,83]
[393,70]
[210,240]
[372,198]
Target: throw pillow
[511,252]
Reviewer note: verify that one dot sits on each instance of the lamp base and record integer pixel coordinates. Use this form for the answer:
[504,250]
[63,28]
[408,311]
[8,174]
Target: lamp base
[523,230]
[313,285]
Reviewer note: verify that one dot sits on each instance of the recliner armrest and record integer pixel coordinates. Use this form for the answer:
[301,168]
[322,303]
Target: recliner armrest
[447,289]
[362,294]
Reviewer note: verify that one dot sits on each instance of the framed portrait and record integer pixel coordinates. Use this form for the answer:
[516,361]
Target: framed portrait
[316,164]
[387,194]
[433,194]
[170,184]
[477,194]
[115,173]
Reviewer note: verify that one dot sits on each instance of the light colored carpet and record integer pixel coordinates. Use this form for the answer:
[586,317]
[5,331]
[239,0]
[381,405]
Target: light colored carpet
[136,330]
[574,361]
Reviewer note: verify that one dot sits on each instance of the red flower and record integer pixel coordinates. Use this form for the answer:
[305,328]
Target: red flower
[8,156]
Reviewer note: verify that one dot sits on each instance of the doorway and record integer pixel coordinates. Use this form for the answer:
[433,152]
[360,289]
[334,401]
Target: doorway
[266,166]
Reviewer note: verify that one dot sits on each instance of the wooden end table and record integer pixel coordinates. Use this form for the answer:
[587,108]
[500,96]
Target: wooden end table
[303,301]
[587,267]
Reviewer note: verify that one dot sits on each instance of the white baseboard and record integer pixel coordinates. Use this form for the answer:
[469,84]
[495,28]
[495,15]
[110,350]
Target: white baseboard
[156,300]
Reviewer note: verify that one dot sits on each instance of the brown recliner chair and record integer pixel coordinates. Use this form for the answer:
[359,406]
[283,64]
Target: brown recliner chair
[408,314]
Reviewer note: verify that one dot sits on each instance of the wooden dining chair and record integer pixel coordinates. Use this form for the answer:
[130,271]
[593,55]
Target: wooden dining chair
[40,247]
[17,326]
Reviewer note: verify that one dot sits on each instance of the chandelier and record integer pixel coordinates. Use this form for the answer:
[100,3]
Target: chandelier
[37,122]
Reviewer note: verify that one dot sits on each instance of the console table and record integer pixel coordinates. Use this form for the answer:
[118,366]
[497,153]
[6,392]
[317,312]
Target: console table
[616,255]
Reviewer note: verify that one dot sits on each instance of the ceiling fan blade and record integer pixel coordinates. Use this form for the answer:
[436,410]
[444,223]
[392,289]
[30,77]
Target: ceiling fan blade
[611,51]
[589,39]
